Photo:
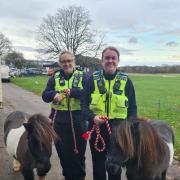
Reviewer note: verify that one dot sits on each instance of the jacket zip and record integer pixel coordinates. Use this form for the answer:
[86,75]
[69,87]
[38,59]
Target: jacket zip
[108,99]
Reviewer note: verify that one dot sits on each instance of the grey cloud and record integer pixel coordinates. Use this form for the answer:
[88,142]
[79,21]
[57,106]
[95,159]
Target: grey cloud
[23,10]
[126,51]
[133,40]
[176,57]
[174,31]
[144,16]
[25,48]
[172,44]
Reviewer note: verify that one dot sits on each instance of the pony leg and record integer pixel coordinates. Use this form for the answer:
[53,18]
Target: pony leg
[28,174]
[41,177]
[16,165]
[164,175]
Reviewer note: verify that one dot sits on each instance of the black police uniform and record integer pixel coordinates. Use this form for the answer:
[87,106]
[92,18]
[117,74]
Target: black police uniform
[73,165]
[98,158]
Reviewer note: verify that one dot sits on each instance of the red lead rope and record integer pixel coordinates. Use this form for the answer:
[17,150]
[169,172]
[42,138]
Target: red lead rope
[99,138]
[72,125]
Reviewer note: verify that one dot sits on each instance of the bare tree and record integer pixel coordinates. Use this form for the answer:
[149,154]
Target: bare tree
[69,29]
[5,44]
[14,58]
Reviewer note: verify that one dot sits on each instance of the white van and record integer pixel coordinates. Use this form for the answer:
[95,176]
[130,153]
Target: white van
[4,70]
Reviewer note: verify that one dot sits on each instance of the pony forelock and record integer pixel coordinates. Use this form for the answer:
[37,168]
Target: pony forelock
[43,130]
[141,141]
[124,139]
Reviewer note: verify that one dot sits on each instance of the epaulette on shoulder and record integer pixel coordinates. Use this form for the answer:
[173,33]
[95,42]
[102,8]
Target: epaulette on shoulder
[122,76]
[97,75]
[56,74]
[96,72]
[78,73]
[77,69]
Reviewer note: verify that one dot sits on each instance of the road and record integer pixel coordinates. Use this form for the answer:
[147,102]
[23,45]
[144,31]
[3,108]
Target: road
[16,98]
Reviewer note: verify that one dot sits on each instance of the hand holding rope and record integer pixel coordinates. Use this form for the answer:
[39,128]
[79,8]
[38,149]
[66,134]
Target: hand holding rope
[99,138]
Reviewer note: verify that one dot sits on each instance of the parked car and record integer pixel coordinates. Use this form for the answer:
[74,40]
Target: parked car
[4,70]
[23,72]
[44,71]
[14,72]
[34,71]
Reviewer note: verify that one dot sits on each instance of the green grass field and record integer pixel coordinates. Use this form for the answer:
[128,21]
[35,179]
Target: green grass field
[34,84]
[158,97]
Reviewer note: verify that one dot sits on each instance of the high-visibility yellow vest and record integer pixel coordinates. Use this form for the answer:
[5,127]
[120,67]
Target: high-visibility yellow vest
[60,84]
[109,97]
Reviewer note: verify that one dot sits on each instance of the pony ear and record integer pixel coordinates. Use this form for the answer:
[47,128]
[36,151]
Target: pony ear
[28,127]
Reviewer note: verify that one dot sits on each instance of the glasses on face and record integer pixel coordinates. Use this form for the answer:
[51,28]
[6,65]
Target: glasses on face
[66,61]
[107,58]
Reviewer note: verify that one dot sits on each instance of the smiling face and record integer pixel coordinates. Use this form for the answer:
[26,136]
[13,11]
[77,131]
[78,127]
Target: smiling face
[110,61]
[67,62]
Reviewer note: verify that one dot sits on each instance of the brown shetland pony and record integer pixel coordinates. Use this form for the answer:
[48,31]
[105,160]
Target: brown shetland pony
[29,141]
[145,148]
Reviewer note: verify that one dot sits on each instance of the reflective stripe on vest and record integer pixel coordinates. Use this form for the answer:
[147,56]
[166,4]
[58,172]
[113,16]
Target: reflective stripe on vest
[109,97]
[60,84]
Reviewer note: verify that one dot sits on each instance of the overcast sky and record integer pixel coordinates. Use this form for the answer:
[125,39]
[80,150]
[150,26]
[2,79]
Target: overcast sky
[146,32]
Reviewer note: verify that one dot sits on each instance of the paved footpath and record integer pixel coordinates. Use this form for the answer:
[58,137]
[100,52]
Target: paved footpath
[15,98]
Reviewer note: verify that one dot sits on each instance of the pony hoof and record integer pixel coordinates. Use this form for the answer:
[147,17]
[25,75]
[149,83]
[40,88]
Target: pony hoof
[41,177]
[16,165]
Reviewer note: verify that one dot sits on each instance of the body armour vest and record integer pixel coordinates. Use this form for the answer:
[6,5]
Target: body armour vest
[109,96]
[60,84]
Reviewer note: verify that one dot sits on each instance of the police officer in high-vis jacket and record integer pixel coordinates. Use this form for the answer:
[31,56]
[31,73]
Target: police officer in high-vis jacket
[64,90]
[110,93]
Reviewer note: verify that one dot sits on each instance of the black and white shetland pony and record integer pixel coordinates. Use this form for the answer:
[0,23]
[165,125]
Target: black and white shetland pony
[144,148]
[29,141]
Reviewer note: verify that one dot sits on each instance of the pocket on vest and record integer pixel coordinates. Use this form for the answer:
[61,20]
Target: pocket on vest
[98,103]
[119,104]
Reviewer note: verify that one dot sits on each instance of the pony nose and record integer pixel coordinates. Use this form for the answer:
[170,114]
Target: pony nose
[113,167]
[42,169]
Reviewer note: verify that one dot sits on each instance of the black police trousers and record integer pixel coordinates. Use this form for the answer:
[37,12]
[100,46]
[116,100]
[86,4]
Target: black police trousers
[73,165]
[99,158]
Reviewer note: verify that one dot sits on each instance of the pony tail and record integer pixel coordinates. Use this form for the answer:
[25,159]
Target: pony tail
[151,146]
[124,138]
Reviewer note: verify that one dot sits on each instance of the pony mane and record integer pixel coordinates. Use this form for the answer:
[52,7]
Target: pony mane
[43,130]
[140,140]
[123,137]
[151,146]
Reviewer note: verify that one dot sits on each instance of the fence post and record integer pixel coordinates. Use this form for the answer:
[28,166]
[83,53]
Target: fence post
[1,101]
[159,107]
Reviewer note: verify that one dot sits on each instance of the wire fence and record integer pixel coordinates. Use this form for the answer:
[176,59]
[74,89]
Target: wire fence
[159,109]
